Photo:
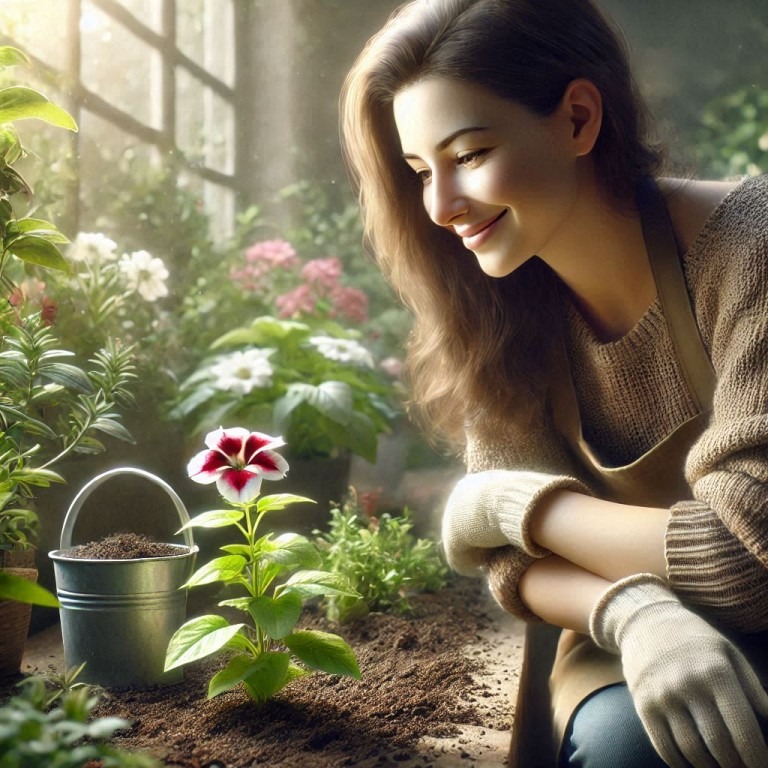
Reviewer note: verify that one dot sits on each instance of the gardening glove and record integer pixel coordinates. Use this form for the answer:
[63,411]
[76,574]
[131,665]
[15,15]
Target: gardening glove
[504,567]
[694,692]
[492,509]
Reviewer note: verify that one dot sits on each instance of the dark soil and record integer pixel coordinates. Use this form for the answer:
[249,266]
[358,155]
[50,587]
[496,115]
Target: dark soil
[123,546]
[417,681]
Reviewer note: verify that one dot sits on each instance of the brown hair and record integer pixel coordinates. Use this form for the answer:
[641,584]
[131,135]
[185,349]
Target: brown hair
[479,345]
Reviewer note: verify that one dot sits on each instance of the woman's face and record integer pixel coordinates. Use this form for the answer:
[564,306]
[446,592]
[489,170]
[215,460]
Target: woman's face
[500,177]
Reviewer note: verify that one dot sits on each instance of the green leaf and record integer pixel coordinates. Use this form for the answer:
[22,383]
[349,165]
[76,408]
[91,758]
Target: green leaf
[291,549]
[277,616]
[333,399]
[69,376]
[37,250]
[11,57]
[227,568]
[17,102]
[271,674]
[313,583]
[237,549]
[113,429]
[278,501]
[216,518]
[241,603]
[199,638]
[20,590]
[324,651]
[237,668]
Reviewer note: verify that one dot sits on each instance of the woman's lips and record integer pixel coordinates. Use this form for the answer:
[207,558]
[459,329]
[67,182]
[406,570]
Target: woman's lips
[476,239]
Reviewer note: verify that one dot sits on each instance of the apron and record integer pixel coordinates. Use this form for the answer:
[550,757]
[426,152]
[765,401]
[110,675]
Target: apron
[561,668]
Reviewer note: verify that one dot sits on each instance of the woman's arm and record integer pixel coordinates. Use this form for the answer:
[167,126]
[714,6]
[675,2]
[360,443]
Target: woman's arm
[610,540]
[561,593]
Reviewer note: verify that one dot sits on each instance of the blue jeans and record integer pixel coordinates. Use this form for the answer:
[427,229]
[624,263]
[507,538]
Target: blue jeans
[606,732]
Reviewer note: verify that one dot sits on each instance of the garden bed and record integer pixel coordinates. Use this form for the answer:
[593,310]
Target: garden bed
[438,689]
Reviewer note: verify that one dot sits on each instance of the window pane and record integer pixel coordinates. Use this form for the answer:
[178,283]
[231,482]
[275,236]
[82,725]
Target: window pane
[111,55]
[204,33]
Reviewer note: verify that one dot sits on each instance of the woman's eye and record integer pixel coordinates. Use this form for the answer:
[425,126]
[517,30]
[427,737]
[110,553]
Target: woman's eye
[471,158]
[424,176]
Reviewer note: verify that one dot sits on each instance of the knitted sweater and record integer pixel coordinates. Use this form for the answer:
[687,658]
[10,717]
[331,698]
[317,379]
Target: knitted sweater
[631,395]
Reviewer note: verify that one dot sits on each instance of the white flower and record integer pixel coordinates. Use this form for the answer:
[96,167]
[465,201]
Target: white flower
[241,372]
[92,248]
[342,350]
[145,274]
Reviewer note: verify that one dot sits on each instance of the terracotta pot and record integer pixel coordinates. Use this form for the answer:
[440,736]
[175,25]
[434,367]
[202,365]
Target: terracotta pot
[14,617]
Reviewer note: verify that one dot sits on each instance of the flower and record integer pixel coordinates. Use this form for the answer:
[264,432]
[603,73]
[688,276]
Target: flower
[145,274]
[342,350]
[352,303]
[323,272]
[276,253]
[299,300]
[92,248]
[242,371]
[238,460]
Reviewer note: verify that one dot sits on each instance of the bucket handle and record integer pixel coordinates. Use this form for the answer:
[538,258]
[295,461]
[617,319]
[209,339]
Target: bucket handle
[91,485]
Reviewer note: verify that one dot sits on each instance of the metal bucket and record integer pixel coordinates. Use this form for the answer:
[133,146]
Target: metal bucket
[119,615]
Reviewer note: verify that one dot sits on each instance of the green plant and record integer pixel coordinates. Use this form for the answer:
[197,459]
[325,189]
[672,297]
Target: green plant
[26,238]
[44,402]
[381,558]
[321,392]
[264,649]
[732,137]
[49,725]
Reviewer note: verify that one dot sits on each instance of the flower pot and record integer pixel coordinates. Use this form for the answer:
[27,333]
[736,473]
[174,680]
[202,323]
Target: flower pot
[118,616]
[14,617]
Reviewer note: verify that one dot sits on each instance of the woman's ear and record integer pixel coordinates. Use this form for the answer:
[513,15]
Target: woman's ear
[582,105]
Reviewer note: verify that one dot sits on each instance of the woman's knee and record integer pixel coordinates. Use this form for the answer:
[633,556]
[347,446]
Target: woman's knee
[605,732]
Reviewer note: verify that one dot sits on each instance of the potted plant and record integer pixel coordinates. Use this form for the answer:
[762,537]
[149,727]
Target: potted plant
[49,408]
[318,388]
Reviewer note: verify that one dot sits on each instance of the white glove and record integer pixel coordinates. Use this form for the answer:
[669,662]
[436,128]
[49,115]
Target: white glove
[504,568]
[492,509]
[695,693]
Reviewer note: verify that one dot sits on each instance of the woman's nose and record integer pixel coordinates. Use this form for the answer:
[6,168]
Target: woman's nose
[444,200]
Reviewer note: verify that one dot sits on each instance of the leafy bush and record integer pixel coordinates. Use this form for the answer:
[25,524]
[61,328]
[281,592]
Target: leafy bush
[381,558]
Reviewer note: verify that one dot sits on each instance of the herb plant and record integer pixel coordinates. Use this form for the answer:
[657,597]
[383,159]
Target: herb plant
[266,652]
[381,558]
[49,725]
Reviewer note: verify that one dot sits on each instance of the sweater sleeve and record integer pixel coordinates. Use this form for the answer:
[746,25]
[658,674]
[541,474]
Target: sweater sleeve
[717,543]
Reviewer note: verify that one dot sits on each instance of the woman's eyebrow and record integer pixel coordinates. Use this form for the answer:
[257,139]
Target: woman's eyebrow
[443,143]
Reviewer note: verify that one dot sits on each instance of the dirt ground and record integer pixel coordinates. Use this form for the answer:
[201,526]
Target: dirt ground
[427,697]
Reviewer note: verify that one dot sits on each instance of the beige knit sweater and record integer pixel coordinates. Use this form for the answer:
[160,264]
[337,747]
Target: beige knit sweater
[631,395]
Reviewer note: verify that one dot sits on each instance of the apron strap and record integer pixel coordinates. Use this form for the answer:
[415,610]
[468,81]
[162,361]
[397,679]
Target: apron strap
[661,245]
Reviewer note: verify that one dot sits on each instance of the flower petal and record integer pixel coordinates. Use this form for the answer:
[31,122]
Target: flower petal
[270,465]
[206,466]
[258,441]
[238,485]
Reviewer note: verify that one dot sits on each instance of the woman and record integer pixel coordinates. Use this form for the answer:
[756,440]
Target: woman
[593,338]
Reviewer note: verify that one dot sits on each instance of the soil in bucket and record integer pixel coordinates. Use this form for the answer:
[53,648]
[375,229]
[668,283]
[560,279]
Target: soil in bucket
[122,546]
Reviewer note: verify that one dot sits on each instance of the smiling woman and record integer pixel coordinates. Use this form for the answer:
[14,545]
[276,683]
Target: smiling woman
[581,331]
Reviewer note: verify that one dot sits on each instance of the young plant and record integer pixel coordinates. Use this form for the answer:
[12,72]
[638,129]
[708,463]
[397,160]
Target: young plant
[266,651]
[49,724]
[381,559]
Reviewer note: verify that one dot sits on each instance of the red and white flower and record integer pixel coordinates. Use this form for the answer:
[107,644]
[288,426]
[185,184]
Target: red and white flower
[238,460]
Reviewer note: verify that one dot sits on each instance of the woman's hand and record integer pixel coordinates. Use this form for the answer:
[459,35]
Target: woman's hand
[696,695]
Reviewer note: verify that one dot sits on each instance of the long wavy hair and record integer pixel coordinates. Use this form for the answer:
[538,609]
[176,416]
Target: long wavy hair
[480,346]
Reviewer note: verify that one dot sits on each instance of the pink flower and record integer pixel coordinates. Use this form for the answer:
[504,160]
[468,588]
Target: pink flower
[324,272]
[238,460]
[352,303]
[277,253]
[299,300]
